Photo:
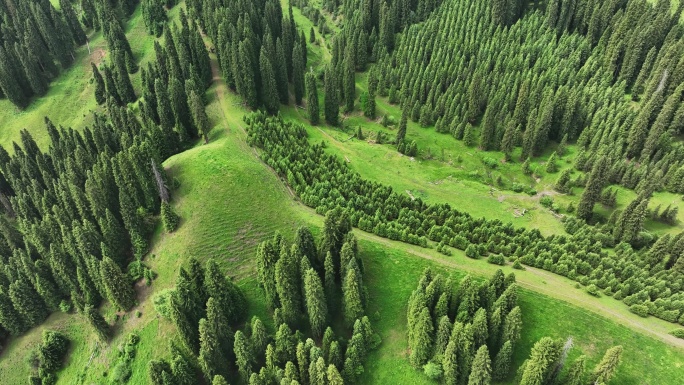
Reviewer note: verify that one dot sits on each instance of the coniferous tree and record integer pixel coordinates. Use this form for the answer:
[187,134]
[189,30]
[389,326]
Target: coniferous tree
[575,374]
[100,91]
[27,302]
[316,305]
[351,296]
[288,284]
[164,111]
[592,192]
[349,80]
[10,318]
[269,85]
[422,340]
[332,105]
[312,107]
[199,115]
[298,76]
[97,321]
[605,370]
[117,284]
[72,21]
[502,362]
[481,372]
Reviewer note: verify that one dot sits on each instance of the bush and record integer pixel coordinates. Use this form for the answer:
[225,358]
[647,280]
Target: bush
[490,163]
[640,310]
[679,333]
[496,259]
[517,265]
[593,290]
[471,251]
[433,371]
[517,187]
[65,306]
[162,303]
[546,201]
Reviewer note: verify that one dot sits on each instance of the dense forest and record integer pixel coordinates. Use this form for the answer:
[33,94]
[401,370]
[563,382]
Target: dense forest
[601,81]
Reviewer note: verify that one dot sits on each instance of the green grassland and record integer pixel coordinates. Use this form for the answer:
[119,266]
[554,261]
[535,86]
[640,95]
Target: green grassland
[229,201]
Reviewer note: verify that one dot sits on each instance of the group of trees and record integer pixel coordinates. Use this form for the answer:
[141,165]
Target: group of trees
[83,210]
[204,306]
[467,335]
[548,77]
[37,42]
[456,333]
[174,86]
[651,276]
[305,284]
[261,53]
[310,284]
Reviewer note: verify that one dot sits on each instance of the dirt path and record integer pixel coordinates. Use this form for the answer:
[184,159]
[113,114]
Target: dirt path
[534,279]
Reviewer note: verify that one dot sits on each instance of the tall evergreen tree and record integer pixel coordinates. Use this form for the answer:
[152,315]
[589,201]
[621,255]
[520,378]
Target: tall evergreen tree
[269,85]
[298,70]
[332,105]
[312,107]
[481,372]
[199,115]
[100,91]
[118,285]
[316,305]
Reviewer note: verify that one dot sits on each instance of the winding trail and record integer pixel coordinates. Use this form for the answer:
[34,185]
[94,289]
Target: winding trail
[539,281]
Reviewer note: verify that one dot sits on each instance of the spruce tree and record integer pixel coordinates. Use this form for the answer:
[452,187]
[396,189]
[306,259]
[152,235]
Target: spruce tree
[605,370]
[72,21]
[481,372]
[199,115]
[316,305]
[332,105]
[164,111]
[502,362]
[97,321]
[421,346]
[288,286]
[100,91]
[312,107]
[575,374]
[10,318]
[298,76]
[351,297]
[27,302]
[349,79]
[118,285]
[268,83]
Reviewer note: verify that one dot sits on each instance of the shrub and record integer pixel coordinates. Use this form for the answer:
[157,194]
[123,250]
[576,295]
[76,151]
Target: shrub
[546,201]
[65,306]
[679,333]
[517,187]
[490,163]
[471,251]
[640,310]
[593,290]
[162,303]
[517,265]
[433,371]
[496,259]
